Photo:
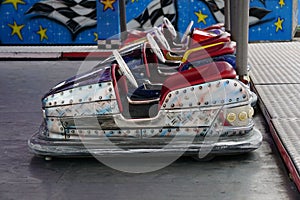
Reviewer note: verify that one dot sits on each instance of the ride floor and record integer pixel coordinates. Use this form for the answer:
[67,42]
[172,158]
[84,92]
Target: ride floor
[275,78]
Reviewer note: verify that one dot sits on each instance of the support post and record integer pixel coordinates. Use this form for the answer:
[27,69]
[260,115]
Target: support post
[242,38]
[227,15]
[123,25]
[234,18]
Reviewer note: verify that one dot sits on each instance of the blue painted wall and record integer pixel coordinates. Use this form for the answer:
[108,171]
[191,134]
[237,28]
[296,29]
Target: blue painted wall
[21,26]
[22,22]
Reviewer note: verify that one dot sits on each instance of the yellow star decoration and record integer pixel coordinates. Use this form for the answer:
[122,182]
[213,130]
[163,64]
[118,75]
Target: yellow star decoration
[14,3]
[278,24]
[281,3]
[16,29]
[42,33]
[132,1]
[201,17]
[108,4]
[96,36]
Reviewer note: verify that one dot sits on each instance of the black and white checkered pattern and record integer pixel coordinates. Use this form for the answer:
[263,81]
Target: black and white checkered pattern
[74,14]
[108,44]
[153,15]
[256,14]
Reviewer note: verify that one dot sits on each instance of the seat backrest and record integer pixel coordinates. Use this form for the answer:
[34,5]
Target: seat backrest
[120,85]
[198,75]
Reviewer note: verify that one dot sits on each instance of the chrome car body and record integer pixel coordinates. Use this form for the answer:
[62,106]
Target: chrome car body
[139,104]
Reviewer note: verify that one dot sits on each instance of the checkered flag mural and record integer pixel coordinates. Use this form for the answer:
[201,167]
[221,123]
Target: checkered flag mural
[256,14]
[74,14]
[153,15]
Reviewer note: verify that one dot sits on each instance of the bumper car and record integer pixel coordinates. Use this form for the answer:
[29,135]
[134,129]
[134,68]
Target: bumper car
[140,101]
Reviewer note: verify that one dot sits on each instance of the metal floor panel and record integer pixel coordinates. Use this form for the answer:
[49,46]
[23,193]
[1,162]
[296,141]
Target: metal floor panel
[281,101]
[276,78]
[275,63]
[289,133]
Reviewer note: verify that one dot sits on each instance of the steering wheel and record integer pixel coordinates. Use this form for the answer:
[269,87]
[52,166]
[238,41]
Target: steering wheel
[160,36]
[187,31]
[124,68]
[155,48]
[170,27]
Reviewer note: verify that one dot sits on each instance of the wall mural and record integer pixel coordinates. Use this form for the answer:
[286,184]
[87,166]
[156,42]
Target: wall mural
[48,22]
[75,21]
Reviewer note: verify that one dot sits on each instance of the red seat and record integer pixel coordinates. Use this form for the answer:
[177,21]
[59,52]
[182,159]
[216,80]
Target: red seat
[198,75]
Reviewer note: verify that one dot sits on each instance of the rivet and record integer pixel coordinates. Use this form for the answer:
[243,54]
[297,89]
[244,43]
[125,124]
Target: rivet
[55,103]
[177,129]
[62,93]
[230,100]
[170,95]
[172,105]
[164,105]
[214,102]
[50,103]
[110,89]
[72,131]
[199,103]
[61,128]
[52,95]
[180,104]
[192,89]
[169,130]
[206,103]
[244,96]
[80,100]
[71,101]
[160,130]
[68,136]
[190,104]
[70,91]
[209,85]
[177,92]
[62,102]
[235,84]
[237,99]
[200,87]
[167,100]
[90,86]
[99,85]
[100,97]
[218,84]
[184,91]
[241,89]
[119,132]
[52,119]
[227,82]
[108,83]
[90,99]
[80,88]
